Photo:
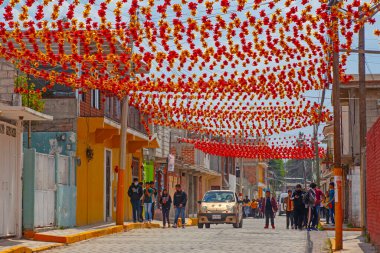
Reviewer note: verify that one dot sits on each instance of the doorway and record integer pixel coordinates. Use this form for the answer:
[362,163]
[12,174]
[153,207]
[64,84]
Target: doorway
[108,184]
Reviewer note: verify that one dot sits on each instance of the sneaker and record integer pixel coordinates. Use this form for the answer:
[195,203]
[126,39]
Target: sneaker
[314,229]
[273,227]
[174,226]
[265,227]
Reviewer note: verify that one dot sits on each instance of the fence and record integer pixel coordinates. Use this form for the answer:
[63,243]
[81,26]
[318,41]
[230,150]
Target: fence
[49,190]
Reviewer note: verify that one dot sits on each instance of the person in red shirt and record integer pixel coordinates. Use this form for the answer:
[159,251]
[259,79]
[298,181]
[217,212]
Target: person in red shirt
[318,199]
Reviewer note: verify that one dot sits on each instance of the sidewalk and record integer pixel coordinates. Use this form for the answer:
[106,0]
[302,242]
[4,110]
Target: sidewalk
[352,242]
[58,237]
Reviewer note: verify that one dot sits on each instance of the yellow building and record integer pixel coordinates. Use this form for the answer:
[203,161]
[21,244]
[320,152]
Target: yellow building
[261,172]
[98,153]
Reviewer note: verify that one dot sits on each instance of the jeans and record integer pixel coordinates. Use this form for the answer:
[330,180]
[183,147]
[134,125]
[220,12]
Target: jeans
[165,215]
[153,204]
[179,211]
[316,216]
[148,211]
[298,217]
[247,210]
[269,214]
[332,214]
[141,211]
[327,214]
[289,218]
[136,209]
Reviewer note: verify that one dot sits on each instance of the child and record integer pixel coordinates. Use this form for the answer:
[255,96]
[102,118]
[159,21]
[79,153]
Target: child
[165,202]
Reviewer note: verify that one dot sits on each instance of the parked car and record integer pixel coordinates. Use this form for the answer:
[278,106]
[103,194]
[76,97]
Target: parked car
[281,202]
[220,207]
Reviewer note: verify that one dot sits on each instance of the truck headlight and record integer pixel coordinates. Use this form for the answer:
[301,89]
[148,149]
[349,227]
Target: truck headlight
[204,209]
[230,209]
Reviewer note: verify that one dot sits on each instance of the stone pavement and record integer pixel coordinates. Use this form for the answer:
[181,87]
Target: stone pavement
[222,238]
[353,242]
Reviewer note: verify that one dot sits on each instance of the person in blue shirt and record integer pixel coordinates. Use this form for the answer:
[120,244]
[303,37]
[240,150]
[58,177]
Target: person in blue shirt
[332,202]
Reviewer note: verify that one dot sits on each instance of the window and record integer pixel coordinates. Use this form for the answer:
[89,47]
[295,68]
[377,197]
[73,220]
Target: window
[108,106]
[81,95]
[95,99]
[219,197]
[117,109]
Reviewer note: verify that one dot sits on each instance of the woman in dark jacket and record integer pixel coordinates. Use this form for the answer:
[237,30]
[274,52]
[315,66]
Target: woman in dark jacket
[165,201]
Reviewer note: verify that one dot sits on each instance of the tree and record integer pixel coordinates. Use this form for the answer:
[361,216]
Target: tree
[277,166]
[30,96]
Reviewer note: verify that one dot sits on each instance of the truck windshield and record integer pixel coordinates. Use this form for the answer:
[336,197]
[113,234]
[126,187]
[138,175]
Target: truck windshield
[219,197]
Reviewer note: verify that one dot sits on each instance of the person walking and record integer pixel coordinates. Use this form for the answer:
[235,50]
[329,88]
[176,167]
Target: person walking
[141,217]
[179,201]
[247,207]
[309,200]
[154,196]
[332,202]
[165,202]
[269,207]
[135,193]
[148,200]
[326,204]
[317,207]
[298,211]
[289,207]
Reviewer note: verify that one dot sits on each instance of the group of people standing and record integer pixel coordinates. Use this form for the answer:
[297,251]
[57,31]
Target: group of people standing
[304,207]
[253,208]
[144,199]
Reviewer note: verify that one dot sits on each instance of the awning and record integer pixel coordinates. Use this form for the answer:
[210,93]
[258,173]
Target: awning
[22,113]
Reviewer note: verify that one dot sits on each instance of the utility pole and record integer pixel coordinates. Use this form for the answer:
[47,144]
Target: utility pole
[363,123]
[123,143]
[337,133]
[123,162]
[241,175]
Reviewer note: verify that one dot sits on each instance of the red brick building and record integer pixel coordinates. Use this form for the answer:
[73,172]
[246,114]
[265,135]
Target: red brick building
[373,183]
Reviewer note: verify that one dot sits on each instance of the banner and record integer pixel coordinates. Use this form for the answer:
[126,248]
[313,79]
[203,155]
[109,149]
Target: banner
[171,160]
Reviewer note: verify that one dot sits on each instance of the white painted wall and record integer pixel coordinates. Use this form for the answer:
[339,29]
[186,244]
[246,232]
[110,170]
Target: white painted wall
[345,131]
[355,193]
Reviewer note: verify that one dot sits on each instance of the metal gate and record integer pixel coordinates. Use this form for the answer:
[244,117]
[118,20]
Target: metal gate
[8,185]
[44,205]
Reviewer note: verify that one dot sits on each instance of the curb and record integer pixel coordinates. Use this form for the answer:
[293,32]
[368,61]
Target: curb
[69,239]
[344,229]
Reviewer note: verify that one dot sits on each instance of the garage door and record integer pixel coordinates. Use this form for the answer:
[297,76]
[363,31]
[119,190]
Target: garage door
[8,165]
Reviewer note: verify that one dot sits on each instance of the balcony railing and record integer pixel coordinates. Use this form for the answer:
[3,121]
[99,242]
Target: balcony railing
[134,120]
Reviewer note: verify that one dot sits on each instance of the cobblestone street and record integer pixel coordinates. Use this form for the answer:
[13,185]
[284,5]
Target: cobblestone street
[222,238]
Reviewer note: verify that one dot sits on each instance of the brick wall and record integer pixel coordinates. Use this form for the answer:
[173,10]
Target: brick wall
[188,154]
[373,183]
[86,110]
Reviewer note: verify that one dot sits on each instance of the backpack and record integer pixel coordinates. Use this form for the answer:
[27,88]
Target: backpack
[309,198]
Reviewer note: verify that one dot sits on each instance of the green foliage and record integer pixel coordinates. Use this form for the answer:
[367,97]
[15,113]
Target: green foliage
[277,166]
[31,97]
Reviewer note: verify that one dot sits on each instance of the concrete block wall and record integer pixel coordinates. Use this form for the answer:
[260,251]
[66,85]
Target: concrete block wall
[7,79]
[373,183]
